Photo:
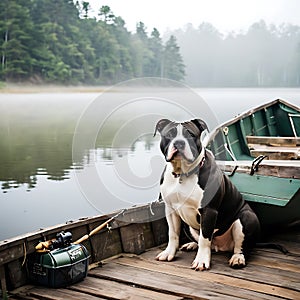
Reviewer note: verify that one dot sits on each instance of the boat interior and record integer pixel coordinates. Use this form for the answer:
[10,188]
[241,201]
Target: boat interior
[272,130]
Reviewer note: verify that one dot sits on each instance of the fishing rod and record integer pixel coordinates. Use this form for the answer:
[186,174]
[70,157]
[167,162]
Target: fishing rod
[64,239]
[98,228]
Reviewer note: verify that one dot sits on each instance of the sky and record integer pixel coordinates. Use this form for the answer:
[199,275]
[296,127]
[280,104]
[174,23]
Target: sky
[225,15]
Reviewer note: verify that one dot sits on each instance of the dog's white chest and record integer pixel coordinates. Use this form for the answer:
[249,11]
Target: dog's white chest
[184,197]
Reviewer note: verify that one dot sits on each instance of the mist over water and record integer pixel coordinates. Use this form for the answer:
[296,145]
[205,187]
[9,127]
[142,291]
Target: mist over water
[39,177]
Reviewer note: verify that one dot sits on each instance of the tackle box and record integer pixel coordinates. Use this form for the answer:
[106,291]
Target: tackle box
[59,267]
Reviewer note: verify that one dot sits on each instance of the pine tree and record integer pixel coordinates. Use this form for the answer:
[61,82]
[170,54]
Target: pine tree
[172,65]
[16,29]
[156,47]
[58,25]
[85,8]
[107,16]
[143,54]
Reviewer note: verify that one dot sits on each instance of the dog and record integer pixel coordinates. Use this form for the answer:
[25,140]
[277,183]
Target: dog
[196,191]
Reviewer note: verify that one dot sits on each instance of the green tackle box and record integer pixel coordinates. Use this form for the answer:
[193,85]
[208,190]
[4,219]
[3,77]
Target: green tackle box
[59,267]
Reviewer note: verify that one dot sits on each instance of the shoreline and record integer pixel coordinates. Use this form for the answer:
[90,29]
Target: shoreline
[27,88]
[32,89]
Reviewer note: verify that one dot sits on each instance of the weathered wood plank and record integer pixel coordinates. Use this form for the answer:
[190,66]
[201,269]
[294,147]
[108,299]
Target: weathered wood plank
[3,281]
[132,237]
[39,292]
[17,273]
[277,168]
[270,262]
[275,264]
[228,277]
[274,141]
[59,294]
[275,152]
[8,255]
[288,274]
[106,244]
[115,290]
[169,278]
[23,297]
[148,235]
[161,282]
[160,230]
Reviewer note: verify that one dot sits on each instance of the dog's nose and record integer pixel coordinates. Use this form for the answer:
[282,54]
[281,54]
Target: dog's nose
[179,145]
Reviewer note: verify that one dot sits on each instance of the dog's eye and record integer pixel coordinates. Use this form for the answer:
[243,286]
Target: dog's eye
[191,134]
[171,133]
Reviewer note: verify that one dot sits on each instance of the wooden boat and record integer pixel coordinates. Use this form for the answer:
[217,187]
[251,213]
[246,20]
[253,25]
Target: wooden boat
[260,150]
[121,262]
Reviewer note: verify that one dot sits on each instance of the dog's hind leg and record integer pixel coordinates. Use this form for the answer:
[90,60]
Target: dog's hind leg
[238,259]
[245,232]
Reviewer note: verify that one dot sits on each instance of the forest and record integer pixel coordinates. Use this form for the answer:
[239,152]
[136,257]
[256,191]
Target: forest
[59,42]
[55,41]
[262,56]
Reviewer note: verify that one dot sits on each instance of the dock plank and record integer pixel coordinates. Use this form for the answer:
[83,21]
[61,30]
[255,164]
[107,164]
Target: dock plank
[44,293]
[243,279]
[115,290]
[164,282]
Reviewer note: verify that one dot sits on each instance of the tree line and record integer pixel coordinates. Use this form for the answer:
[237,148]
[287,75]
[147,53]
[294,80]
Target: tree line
[264,55]
[56,41]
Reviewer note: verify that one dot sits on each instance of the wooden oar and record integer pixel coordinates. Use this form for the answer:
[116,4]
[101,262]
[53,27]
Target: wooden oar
[97,229]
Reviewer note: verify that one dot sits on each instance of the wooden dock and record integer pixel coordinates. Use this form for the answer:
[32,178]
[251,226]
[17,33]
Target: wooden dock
[269,274]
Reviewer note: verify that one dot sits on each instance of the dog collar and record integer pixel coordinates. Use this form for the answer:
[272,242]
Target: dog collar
[193,171]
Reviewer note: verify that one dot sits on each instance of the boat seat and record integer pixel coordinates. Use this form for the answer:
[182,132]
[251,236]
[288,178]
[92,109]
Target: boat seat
[274,141]
[274,147]
[277,168]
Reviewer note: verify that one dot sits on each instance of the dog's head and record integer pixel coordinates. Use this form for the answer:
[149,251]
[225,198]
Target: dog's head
[181,141]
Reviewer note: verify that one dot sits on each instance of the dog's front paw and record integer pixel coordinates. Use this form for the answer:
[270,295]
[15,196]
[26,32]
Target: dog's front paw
[189,246]
[237,261]
[166,255]
[202,261]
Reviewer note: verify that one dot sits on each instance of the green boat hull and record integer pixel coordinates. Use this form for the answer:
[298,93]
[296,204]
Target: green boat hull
[270,132]
[275,200]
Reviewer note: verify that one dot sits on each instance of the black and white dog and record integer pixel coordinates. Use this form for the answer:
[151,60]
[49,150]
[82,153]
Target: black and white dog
[195,190]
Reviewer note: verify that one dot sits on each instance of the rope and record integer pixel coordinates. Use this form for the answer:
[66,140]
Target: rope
[150,208]
[25,254]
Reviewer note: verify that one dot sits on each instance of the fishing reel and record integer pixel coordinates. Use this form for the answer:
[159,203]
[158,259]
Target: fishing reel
[63,239]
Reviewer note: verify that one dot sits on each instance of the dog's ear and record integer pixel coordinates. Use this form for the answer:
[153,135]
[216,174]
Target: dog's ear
[161,124]
[200,124]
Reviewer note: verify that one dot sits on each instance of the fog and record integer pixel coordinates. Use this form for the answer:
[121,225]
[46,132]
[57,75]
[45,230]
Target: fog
[264,55]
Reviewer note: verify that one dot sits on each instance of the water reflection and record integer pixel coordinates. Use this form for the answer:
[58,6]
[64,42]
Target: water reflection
[44,147]
[35,139]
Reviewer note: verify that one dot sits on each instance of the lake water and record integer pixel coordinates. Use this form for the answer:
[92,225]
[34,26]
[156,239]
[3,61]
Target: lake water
[64,156]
